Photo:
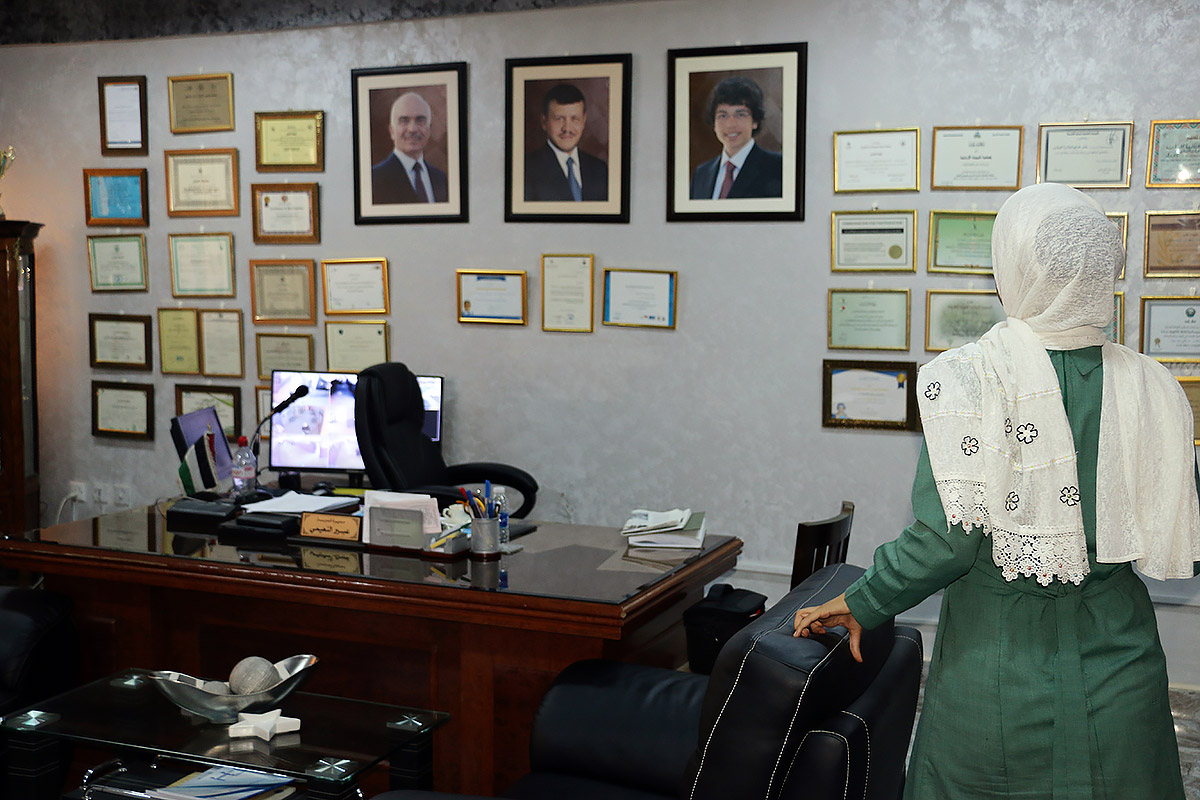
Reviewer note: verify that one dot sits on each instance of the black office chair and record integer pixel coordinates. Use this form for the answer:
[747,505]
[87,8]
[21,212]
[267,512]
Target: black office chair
[399,457]
[819,544]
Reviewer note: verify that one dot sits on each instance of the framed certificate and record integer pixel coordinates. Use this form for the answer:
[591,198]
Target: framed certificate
[567,282]
[1086,155]
[1191,388]
[886,160]
[262,404]
[283,292]
[178,341]
[1171,328]
[289,141]
[987,157]
[642,298]
[355,285]
[116,198]
[202,183]
[1121,220]
[289,351]
[201,264]
[491,295]
[227,400]
[200,103]
[117,263]
[221,343]
[1115,330]
[119,341]
[285,213]
[1174,157]
[873,241]
[1172,244]
[868,319]
[354,346]
[954,318]
[123,410]
[961,242]
[123,129]
[869,394]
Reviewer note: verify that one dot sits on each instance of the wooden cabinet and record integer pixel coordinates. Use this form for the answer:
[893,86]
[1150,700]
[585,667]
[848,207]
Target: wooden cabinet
[19,494]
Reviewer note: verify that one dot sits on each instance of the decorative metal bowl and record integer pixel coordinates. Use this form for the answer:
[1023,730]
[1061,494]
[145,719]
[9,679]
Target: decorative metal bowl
[189,693]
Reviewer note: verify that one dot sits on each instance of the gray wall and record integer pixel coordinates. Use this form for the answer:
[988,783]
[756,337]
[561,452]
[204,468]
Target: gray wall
[721,414]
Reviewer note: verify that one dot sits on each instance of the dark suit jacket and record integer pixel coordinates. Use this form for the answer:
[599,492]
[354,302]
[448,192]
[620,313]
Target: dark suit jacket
[546,181]
[760,176]
[391,184]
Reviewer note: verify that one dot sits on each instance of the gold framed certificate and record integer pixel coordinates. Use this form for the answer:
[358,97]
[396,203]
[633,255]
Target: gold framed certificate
[1191,388]
[353,346]
[119,341]
[868,319]
[178,341]
[961,242]
[285,213]
[884,160]
[227,400]
[283,292]
[1115,330]
[869,394]
[355,285]
[491,295]
[123,130]
[221,344]
[567,303]
[1173,161]
[1086,155]
[873,241]
[117,263]
[116,198]
[287,351]
[123,410]
[202,183]
[200,103]
[954,318]
[201,264]
[1171,328]
[977,157]
[289,141]
[1172,247]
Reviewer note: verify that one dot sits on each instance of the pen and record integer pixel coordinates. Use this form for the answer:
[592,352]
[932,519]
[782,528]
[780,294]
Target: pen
[487,496]
[468,498]
[445,538]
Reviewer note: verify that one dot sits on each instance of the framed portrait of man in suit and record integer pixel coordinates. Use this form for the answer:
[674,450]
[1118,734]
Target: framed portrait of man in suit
[567,139]
[735,132]
[410,143]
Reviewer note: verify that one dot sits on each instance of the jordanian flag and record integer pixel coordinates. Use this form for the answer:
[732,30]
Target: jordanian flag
[198,469]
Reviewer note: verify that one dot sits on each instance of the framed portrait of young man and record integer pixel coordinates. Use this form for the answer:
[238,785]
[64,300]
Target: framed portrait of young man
[410,143]
[567,139]
[735,132]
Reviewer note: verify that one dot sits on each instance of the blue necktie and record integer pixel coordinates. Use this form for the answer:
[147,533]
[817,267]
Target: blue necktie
[576,191]
[418,184]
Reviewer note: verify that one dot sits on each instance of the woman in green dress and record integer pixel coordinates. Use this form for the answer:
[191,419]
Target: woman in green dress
[1052,460]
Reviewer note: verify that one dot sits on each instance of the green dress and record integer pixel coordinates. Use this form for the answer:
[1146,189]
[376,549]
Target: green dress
[1034,691]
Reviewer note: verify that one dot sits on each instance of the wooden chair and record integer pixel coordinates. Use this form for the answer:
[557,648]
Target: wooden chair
[819,544]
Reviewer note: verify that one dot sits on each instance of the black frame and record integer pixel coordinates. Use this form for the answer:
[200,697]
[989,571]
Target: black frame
[147,389]
[143,319]
[140,82]
[913,417]
[235,392]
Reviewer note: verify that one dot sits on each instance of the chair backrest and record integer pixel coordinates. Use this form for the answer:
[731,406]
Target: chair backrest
[388,415]
[819,544]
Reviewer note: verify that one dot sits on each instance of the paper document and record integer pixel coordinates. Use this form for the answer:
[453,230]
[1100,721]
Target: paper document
[296,503]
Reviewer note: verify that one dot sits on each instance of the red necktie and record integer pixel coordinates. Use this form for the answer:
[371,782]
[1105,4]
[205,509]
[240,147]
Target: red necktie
[727,184]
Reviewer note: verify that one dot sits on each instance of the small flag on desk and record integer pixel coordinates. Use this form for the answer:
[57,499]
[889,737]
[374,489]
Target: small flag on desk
[198,469]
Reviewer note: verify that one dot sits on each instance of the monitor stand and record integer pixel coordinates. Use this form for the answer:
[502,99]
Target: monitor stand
[289,481]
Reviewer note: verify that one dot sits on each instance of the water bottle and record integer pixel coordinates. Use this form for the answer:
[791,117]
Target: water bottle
[245,467]
[500,503]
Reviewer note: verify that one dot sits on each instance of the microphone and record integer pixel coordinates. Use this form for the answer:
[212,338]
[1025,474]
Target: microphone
[301,391]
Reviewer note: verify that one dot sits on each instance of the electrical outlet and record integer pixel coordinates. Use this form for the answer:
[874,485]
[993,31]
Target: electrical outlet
[100,494]
[121,495]
[79,489]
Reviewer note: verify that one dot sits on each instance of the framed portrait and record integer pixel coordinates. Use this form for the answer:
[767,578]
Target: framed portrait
[491,295]
[1174,157]
[202,183]
[227,400]
[735,132]
[954,318]
[873,241]
[869,394]
[640,298]
[119,341]
[221,343]
[1086,155]
[285,213]
[981,157]
[201,264]
[123,130]
[122,410]
[1115,331]
[567,293]
[1121,220]
[868,319]
[117,263]
[289,351]
[1191,388]
[289,141]
[262,405]
[178,341]
[201,103]
[1172,247]
[881,160]
[116,198]
[410,143]
[353,346]
[567,139]
[961,242]
[283,292]
[355,285]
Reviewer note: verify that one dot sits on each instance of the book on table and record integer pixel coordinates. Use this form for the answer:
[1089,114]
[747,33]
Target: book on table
[643,520]
[690,535]
[227,783]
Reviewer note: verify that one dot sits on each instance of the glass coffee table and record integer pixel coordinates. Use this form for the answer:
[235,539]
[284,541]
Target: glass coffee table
[338,740]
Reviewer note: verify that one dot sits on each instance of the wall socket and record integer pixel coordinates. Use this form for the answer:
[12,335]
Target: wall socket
[79,489]
[100,494]
[121,495]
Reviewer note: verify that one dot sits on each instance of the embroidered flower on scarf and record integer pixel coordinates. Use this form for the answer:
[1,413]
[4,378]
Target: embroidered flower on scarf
[1069,495]
[1007,427]
[933,390]
[970,445]
[1027,433]
[1011,501]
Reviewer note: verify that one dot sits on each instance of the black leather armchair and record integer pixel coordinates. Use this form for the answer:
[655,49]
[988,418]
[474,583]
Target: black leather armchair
[39,653]
[399,457]
[781,718]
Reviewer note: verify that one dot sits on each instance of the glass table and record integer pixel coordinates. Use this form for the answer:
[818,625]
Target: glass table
[338,740]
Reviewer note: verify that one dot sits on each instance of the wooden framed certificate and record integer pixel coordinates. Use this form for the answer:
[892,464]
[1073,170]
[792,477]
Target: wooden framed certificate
[961,242]
[123,130]
[1093,155]
[1171,328]
[201,103]
[285,213]
[1115,330]
[987,157]
[1191,388]
[201,264]
[567,303]
[491,295]
[221,344]
[355,285]
[288,351]
[868,319]
[954,318]
[1174,157]
[202,183]
[354,346]
[178,341]
[262,404]
[1172,244]
[289,141]
[227,400]
[873,241]
[642,298]
[119,341]
[117,263]
[116,198]
[123,410]
[886,160]
[869,394]
[283,292]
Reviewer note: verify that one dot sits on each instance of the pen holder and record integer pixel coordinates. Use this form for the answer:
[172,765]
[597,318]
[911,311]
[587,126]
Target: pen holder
[485,537]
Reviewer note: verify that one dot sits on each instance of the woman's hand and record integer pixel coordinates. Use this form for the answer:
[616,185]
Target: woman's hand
[835,612]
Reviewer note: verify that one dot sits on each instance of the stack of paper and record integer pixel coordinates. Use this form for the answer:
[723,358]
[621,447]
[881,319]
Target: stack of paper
[430,518]
[661,533]
[643,520]
[228,783]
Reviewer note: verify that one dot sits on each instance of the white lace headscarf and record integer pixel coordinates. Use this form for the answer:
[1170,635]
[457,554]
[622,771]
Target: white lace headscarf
[999,442]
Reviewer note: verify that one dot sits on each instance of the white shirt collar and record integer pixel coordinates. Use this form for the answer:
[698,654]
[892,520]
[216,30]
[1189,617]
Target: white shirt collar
[562,157]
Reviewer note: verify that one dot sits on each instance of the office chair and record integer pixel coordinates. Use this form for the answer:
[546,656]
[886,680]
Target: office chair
[399,457]
[819,544]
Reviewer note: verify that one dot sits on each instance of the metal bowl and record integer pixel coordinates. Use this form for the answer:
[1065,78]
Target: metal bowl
[188,692]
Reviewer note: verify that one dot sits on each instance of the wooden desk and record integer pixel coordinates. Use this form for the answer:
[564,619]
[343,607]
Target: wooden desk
[397,630]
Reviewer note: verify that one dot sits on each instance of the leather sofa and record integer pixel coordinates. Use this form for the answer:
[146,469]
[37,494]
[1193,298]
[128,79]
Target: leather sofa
[780,718]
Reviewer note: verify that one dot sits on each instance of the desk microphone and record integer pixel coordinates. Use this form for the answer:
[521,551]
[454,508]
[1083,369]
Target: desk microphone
[301,391]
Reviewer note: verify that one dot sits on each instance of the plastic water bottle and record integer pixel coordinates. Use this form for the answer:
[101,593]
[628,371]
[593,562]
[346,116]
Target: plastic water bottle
[245,467]
[500,503]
